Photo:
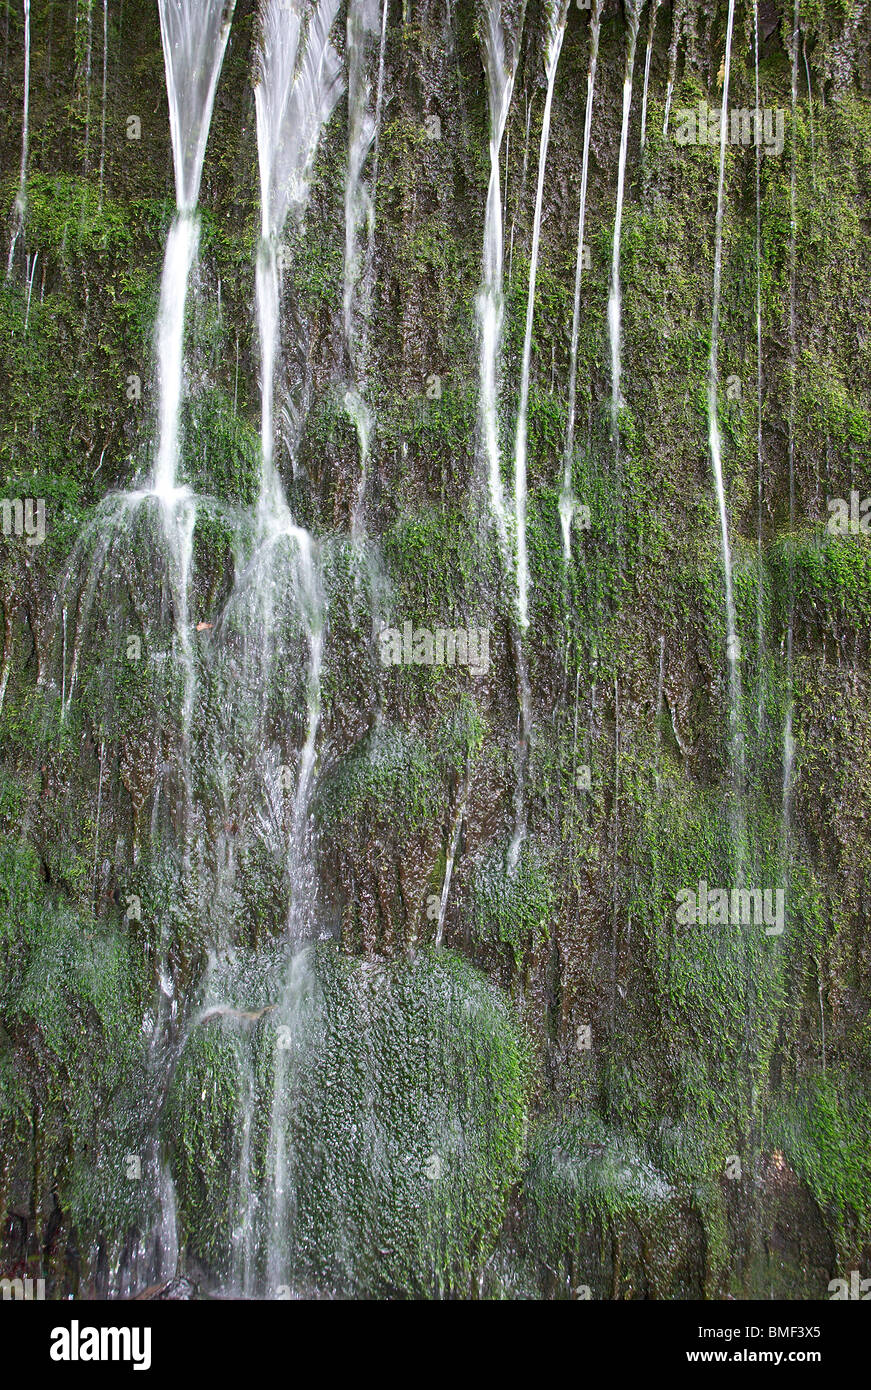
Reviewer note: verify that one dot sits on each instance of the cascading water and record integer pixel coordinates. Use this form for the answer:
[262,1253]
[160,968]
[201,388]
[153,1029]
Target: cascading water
[654,11]
[567,499]
[103,100]
[194,38]
[299,81]
[614,297]
[788,739]
[19,208]
[760,615]
[194,35]
[85,75]
[500,68]
[715,441]
[556,24]
[294,96]
[321,1102]
[364,121]
[677,20]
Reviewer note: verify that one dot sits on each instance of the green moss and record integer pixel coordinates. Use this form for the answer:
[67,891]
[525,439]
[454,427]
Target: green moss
[514,907]
[829,577]
[400,1098]
[203,1123]
[443,569]
[390,777]
[70,1016]
[824,1129]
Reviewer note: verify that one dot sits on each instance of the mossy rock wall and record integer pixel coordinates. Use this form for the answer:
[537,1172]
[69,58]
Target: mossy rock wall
[139,846]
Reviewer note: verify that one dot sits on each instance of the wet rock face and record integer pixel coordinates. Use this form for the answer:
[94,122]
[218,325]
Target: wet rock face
[619,1101]
[374,1118]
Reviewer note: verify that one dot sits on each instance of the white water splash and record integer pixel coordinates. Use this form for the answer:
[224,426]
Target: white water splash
[299,81]
[556,30]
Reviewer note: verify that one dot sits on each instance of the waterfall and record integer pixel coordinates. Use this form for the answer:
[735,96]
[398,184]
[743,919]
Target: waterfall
[500,67]
[103,105]
[567,500]
[462,802]
[524,722]
[364,119]
[614,297]
[715,441]
[518,198]
[555,30]
[760,616]
[298,82]
[87,81]
[676,23]
[788,741]
[30,279]
[500,70]
[653,13]
[181,252]
[194,35]
[294,97]
[19,207]
[810,113]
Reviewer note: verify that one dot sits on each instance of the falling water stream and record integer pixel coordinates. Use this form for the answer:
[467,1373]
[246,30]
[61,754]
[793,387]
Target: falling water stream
[556,24]
[19,209]
[715,442]
[615,327]
[788,739]
[760,615]
[299,82]
[364,123]
[271,735]
[194,34]
[500,69]
[103,100]
[676,22]
[567,499]
[654,11]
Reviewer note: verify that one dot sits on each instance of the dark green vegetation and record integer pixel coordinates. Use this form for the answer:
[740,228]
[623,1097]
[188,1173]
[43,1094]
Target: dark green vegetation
[585,1069]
